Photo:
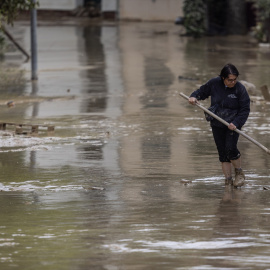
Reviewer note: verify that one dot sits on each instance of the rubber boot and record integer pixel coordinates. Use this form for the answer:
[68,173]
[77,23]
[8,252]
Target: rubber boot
[239,178]
[228,181]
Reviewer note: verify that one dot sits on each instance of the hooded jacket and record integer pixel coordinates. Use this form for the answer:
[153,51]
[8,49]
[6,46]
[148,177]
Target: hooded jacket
[231,101]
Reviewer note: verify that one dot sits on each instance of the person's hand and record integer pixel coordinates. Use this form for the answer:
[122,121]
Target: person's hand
[193,100]
[231,126]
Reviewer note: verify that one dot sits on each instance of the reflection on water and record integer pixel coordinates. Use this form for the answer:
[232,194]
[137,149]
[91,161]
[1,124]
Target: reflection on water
[130,179]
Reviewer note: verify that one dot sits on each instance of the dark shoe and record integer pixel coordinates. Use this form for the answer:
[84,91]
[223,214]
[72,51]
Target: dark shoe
[228,181]
[239,178]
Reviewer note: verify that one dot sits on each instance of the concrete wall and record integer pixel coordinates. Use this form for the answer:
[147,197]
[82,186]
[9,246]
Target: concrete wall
[109,5]
[142,10]
[59,4]
[150,10]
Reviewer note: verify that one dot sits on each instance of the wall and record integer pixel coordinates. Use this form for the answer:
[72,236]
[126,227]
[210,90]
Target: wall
[59,4]
[150,10]
[109,9]
[108,5]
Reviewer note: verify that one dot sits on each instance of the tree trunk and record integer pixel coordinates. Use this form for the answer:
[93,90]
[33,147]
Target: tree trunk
[236,21]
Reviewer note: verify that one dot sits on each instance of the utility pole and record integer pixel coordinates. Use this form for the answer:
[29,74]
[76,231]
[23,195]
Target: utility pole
[34,42]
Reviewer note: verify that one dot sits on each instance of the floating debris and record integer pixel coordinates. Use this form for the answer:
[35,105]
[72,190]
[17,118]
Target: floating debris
[97,188]
[7,134]
[33,128]
[265,92]
[187,78]
[10,104]
[160,32]
[185,182]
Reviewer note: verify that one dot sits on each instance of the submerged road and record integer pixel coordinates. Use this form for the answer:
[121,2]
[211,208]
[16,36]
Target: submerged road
[130,179]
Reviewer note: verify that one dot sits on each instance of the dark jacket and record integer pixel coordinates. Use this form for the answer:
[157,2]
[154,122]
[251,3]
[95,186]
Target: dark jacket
[231,101]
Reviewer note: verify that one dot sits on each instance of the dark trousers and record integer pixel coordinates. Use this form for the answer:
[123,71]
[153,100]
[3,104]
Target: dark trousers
[226,142]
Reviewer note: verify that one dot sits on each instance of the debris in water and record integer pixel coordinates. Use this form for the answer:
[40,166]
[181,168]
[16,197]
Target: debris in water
[160,32]
[97,188]
[7,134]
[19,127]
[187,78]
[185,182]
[10,104]
[250,87]
[265,92]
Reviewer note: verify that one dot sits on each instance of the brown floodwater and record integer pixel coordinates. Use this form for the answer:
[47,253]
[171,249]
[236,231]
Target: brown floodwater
[130,179]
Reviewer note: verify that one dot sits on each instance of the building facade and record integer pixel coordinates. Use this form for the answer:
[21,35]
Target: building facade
[135,10]
[65,5]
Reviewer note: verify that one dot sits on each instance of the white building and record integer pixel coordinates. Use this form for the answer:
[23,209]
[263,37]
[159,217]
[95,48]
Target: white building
[138,10]
[150,10]
[60,4]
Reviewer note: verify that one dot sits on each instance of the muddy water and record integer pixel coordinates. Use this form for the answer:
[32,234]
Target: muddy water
[108,189]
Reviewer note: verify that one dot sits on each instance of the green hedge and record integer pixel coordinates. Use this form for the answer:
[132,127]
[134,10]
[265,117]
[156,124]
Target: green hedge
[195,17]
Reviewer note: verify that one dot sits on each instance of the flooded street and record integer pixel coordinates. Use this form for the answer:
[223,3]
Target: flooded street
[130,179]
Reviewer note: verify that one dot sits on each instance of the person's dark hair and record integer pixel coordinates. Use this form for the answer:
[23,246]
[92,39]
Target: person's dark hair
[227,70]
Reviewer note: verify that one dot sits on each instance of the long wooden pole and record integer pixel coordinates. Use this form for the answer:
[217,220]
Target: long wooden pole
[227,124]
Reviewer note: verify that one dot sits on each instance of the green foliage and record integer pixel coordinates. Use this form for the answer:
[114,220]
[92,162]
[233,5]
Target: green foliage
[263,7]
[9,9]
[262,30]
[195,17]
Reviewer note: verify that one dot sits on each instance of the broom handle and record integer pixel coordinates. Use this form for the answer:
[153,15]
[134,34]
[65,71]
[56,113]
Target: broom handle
[227,124]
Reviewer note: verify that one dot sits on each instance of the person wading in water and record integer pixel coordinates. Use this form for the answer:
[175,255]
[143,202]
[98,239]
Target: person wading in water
[230,101]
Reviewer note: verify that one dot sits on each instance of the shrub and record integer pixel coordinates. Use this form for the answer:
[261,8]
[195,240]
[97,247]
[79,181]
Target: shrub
[263,24]
[195,17]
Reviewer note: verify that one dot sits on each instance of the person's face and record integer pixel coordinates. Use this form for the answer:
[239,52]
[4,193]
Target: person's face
[230,81]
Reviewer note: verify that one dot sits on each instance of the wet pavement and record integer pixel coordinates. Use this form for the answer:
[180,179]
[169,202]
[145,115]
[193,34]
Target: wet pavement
[130,178]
